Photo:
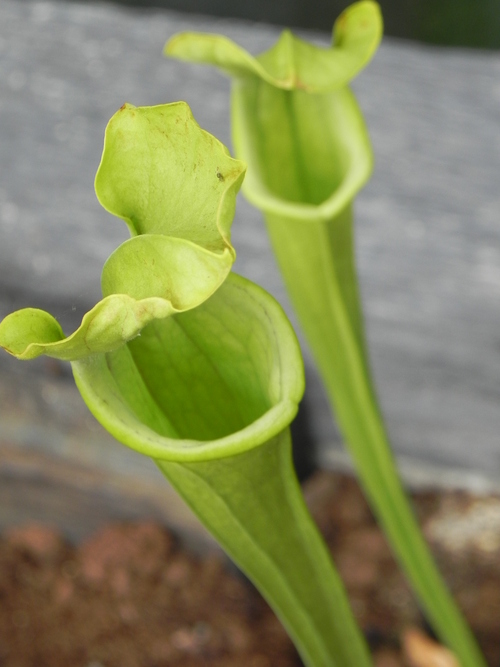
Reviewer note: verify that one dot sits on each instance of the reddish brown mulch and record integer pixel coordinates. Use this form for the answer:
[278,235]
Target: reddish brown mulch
[130,597]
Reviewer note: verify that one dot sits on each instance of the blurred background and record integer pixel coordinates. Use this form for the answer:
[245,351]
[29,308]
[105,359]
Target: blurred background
[427,232]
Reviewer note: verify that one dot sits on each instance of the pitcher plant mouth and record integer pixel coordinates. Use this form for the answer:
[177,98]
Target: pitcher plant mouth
[212,382]
[307,155]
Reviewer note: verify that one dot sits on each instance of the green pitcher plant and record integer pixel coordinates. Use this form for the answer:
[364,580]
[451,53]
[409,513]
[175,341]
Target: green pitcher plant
[298,127]
[199,368]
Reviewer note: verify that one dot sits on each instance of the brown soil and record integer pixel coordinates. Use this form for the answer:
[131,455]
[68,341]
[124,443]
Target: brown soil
[130,597]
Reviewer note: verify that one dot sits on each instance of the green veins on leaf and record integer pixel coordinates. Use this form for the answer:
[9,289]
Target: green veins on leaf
[175,186]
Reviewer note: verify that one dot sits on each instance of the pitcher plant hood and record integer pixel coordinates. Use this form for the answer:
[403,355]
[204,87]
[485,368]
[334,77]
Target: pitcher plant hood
[175,186]
[292,63]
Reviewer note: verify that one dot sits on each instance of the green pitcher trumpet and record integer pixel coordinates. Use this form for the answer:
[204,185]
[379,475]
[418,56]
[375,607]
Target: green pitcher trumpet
[200,369]
[298,127]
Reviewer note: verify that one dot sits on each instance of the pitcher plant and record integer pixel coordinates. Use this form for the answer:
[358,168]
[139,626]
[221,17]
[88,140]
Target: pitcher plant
[298,127]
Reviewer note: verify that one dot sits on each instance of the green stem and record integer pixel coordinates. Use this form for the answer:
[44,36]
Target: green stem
[265,527]
[327,302]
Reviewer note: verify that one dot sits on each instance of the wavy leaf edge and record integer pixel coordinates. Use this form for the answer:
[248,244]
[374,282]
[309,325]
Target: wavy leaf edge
[290,63]
[119,316]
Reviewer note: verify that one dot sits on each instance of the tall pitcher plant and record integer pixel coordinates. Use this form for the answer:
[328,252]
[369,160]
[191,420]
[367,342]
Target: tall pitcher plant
[199,369]
[297,125]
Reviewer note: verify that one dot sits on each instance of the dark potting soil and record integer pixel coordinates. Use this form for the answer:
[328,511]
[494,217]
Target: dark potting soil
[131,597]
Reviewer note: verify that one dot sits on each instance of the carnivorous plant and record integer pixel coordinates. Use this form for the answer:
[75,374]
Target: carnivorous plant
[298,127]
[199,368]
